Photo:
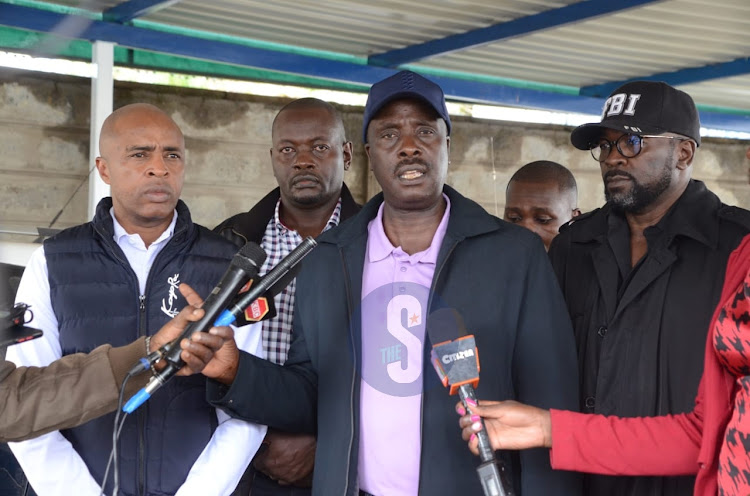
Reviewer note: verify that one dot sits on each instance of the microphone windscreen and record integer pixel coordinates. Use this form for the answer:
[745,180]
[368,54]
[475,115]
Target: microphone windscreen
[250,258]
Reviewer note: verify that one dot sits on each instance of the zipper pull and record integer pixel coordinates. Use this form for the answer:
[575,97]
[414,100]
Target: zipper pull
[142,300]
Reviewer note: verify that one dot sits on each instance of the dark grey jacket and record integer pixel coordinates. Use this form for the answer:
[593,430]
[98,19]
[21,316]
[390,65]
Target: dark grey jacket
[497,276]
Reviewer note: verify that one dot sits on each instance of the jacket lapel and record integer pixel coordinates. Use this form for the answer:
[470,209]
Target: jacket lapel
[353,259]
[653,266]
[607,275]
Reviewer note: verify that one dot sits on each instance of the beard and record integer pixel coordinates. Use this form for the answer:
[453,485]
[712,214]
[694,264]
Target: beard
[640,196]
[311,199]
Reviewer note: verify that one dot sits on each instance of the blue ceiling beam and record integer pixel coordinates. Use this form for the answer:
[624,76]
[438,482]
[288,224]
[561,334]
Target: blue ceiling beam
[305,65]
[132,9]
[518,27]
[737,67]
[291,63]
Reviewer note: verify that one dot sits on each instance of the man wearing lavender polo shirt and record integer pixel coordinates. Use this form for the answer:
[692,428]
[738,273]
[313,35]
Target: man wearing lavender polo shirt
[358,371]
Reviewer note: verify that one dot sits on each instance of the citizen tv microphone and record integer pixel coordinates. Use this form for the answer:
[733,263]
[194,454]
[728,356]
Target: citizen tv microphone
[457,364]
[244,266]
[274,279]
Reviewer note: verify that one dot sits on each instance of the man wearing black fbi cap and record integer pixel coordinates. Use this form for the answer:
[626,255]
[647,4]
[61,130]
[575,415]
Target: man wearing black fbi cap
[373,294]
[642,275]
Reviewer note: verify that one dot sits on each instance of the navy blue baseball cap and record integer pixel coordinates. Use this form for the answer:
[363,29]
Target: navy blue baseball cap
[405,84]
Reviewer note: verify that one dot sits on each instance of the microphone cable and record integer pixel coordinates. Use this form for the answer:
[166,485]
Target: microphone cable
[140,366]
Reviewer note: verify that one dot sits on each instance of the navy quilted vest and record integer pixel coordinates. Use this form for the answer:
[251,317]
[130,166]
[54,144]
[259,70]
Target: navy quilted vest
[96,300]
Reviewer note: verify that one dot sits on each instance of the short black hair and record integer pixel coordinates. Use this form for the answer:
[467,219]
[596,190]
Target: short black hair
[542,171]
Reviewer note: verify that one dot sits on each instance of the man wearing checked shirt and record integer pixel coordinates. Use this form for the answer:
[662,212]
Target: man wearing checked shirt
[309,155]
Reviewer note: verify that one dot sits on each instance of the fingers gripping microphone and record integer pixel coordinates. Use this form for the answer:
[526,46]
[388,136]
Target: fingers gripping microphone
[274,280]
[457,365]
[244,266]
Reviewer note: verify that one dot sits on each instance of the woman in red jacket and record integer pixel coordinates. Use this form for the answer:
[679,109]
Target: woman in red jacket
[712,441]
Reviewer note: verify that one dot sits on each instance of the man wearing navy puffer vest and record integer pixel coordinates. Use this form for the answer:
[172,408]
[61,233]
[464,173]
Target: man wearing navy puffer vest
[114,279]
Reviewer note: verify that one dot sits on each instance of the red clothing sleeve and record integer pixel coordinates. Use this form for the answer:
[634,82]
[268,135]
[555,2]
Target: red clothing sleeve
[666,445]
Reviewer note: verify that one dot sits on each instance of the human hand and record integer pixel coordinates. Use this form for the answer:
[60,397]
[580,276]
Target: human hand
[287,458]
[510,425]
[199,351]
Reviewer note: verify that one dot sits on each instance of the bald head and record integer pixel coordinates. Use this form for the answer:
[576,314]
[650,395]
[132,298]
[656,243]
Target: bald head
[125,119]
[308,106]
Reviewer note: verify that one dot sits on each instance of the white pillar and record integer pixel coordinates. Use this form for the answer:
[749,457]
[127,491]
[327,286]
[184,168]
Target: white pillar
[103,57]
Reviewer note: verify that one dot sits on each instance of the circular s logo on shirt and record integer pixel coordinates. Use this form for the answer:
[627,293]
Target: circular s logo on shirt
[393,334]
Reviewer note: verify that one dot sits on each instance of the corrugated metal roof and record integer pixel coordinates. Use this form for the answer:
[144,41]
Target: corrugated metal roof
[686,42]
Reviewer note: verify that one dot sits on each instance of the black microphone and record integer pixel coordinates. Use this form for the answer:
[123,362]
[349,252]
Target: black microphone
[244,266]
[264,308]
[457,365]
[273,279]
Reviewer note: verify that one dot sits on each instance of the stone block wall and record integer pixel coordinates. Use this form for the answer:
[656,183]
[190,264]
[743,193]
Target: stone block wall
[44,152]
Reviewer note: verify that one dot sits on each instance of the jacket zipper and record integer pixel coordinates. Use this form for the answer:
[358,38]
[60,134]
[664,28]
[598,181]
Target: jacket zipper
[140,416]
[142,331]
[141,411]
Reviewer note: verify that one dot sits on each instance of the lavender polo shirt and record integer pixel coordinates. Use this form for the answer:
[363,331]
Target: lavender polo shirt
[395,291]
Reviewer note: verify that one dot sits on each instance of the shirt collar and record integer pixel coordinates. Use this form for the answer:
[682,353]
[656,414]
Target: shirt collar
[333,220]
[379,246]
[121,233]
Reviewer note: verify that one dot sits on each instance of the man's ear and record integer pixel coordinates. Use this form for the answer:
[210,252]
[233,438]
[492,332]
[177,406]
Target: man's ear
[576,212]
[685,153]
[103,168]
[348,154]
[367,152]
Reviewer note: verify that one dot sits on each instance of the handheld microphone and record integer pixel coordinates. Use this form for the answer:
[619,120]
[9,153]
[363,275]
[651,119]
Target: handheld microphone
[264,308]
[244,266]
[457,365]
[272,279]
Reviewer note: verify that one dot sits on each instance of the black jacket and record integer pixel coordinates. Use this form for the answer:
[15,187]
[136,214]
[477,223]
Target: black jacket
[251,225]
[498,278]
[641,333]
[96,300]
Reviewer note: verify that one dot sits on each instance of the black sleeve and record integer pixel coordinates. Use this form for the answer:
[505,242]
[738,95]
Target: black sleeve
[545,369]
[282,397]
[226,231]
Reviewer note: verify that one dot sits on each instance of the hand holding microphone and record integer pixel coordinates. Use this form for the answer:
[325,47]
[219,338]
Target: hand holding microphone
[244,266]
[509,425]
[457,365]
[199,350]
